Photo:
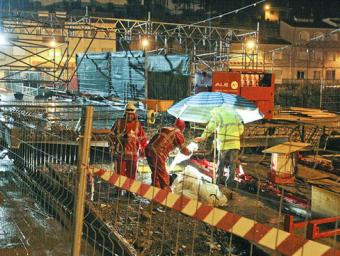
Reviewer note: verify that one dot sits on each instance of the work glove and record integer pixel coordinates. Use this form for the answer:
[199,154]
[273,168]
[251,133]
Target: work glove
[199,139]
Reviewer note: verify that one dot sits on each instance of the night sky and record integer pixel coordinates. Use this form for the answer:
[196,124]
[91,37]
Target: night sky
[314,8]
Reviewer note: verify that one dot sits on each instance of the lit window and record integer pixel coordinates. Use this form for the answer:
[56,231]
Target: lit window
[300,75]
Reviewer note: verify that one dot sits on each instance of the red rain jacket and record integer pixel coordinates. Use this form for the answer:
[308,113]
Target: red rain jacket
[128,138]
[166,140]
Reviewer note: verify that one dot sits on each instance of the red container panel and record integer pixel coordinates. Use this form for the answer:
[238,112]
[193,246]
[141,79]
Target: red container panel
[266,107]
[228,82]
[257,93]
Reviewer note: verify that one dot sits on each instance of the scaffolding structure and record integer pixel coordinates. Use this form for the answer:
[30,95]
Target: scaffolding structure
[60,37]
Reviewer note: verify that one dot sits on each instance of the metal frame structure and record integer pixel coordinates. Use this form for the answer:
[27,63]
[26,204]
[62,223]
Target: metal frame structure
[195,40]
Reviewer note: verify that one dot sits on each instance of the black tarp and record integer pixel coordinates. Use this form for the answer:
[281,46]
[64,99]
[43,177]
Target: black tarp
[122,75]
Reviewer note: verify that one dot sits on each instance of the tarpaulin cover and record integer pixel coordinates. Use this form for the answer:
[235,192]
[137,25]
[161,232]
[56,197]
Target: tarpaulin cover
[175,64]
[168,86]
[122,75]
[93,74]
[168,77]
[127,74]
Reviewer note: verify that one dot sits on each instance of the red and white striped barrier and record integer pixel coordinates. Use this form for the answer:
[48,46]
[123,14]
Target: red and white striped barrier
[269,237]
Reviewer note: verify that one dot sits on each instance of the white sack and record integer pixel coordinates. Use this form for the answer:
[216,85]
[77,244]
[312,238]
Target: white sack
[193,184]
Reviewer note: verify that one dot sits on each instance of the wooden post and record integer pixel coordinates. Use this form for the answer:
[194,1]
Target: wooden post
[83,161]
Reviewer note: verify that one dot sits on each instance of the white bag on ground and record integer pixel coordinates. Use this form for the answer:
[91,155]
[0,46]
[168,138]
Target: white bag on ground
[193,184]
[188,180]
[212,195]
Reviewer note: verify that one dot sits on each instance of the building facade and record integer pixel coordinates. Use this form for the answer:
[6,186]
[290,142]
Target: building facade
[314,53]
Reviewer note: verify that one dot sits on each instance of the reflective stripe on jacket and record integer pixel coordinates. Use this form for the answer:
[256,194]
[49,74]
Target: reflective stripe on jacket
[166,140]
[228,128]
[129,137]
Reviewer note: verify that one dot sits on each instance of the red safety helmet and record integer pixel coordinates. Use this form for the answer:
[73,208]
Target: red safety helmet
[180,124]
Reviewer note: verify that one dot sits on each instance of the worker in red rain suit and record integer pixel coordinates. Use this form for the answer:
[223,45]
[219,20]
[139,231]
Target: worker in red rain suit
[158,149]
[128,139]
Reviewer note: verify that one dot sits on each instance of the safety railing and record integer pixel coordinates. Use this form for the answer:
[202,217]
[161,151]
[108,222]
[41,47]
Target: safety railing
[316,229]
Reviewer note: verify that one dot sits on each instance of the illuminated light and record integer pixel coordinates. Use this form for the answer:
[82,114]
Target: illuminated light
[145,43]
[267,7]
[53,43]
[3,39]
[250,44]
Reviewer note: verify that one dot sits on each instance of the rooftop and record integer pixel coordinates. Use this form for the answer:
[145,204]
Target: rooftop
[307,23]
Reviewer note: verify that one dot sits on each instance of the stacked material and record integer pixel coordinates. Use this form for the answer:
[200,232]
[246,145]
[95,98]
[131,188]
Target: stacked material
[326,162]
[306,114]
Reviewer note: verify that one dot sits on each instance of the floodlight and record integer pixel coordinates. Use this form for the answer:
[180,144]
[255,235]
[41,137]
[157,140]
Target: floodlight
[250,44]
[3,39]
[267,7]
[53,43]
[145,43]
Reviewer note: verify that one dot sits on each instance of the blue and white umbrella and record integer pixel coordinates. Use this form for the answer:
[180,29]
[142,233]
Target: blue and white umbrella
[198,108]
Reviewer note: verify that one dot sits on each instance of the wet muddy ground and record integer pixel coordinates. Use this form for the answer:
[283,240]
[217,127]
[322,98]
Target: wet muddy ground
[155,230]
[25,228]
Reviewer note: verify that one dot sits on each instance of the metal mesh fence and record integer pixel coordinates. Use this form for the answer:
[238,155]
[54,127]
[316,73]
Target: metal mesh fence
[308,94]
[130,217]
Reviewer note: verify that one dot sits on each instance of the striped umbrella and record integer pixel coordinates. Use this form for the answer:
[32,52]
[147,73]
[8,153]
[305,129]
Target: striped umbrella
[197,108]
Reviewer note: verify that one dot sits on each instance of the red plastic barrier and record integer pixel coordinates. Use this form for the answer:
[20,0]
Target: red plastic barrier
[313,229]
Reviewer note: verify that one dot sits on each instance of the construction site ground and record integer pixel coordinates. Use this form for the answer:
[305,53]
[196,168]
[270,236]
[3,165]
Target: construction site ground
[155,230]
[150,228]
[26,229]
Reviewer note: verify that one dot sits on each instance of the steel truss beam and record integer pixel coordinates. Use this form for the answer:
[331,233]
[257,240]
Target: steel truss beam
[30,23]
[28,30]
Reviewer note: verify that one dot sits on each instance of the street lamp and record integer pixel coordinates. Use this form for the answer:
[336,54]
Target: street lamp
[249,48]
[266,7]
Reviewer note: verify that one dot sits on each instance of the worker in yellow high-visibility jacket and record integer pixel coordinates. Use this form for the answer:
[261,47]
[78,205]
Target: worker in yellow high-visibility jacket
[229,128]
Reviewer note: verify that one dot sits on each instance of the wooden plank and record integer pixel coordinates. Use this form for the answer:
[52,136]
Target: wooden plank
[101,131]
[306,173]
[287,148]
[305,109]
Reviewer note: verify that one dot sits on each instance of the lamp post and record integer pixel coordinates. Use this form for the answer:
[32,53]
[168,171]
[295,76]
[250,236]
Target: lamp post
[249,47]
[145,44]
